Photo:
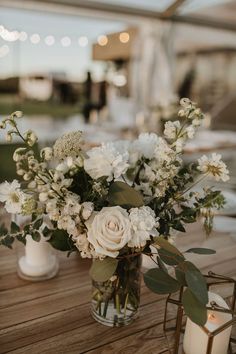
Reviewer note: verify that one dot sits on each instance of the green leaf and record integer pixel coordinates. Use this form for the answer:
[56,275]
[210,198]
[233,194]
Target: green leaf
[169,257]
[177,225]
[14,228]
[201,250]
[7,241]
[194,309]
[180,276]
[102,270]
[38,223]
[122,194]
[163,243]
[36,236]
[196,282]
[161,265]
[160,282]
[61,241]
[46,231]
[21,239]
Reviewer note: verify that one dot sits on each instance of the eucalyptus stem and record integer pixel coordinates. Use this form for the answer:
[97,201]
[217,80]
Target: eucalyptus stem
[126,303]
[117,303]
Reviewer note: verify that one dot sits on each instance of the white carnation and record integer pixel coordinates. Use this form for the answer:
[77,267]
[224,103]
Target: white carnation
[144,146]
[106,161]
[143,223]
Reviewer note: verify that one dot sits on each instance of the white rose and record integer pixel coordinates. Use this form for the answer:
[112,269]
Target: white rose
[109,231]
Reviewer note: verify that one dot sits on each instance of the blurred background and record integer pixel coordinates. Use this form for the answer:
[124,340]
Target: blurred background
[117,68]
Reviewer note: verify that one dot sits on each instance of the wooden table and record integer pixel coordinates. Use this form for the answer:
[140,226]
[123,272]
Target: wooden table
[54,316]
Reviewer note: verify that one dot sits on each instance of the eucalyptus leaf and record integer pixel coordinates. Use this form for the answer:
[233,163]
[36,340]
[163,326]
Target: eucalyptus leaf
[200,250]
[60,240]
[163,243]
[160,282]
[169,257]
[36,236]
[102,270]
[196,282]
[38,223]
[180,276]
[14,228]
[122,194]
[193,308]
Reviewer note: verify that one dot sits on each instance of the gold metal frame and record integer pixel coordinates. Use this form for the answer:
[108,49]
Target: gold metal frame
[212,279]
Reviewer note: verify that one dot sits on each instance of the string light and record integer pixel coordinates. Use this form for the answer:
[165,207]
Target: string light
[4,50]
[66,41]
[83,41]
[23,36]
[49,40]
[35,38]
[124,37]
[102,40]
[9,36]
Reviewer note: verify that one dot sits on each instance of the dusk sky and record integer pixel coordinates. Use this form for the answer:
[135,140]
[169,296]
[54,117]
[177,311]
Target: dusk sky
[25,57]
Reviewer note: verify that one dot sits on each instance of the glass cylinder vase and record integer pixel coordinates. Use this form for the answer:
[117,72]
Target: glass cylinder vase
[115,303]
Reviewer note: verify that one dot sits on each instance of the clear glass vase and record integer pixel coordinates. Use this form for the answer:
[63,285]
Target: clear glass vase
[115,303]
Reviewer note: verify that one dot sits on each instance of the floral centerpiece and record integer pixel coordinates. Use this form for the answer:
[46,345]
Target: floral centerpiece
[115,202]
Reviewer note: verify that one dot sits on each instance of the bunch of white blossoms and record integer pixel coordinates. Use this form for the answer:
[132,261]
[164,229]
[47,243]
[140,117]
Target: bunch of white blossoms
[114,228]
[178,133]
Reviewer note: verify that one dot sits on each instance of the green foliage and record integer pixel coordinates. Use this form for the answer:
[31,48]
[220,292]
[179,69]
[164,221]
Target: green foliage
[122,194]
[194,309]
[200,250]
[61,241]
[196,282]
[160,282]
[102,270]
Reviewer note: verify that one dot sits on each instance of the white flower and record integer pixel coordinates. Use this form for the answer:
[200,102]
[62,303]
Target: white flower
[109,231]
[67,145]
[72,206]
[106,161]
[65,222]
[13,197]
[30,137]
[46,153]
[144,146]
[171,129]
[179,144]
[83,245]
[17,156]
[190,131]
[143,223]
[53,210]
[87,209]
[214,167]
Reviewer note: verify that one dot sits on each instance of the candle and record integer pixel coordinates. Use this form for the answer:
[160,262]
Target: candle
[196,340]
[39,259]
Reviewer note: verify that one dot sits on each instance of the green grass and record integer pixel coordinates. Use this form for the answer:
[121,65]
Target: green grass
[10,103]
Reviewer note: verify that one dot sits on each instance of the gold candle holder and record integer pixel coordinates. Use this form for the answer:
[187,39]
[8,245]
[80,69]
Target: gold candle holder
[212,280]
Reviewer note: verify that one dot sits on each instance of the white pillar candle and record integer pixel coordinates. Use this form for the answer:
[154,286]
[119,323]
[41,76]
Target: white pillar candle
[196,340]
[39,259]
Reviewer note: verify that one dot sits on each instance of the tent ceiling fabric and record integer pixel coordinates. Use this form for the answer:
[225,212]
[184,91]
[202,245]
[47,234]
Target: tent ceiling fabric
[194,12]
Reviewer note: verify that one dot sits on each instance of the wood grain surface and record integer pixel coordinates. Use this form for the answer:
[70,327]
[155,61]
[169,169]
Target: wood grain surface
[53,316]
